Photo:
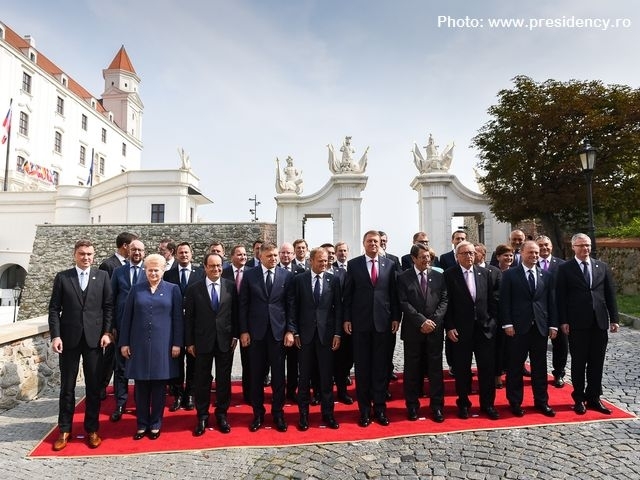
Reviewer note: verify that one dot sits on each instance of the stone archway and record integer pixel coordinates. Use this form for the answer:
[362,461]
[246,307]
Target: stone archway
[340,199]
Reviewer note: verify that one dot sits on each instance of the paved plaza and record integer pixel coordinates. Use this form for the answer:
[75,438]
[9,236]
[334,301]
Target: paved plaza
[608,450]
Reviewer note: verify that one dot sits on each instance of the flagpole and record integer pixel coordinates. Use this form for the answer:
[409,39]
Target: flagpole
[6,162]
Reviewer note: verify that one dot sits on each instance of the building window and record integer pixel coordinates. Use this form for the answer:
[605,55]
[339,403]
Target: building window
[60,106]
[157,213]
[104,135]
[26,82]
[57,142]
[124,149]
[23,127]
[101,166]
[83,155]
[83,122]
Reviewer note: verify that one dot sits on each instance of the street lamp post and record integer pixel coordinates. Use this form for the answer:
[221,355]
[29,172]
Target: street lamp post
[17,291]
[588,160]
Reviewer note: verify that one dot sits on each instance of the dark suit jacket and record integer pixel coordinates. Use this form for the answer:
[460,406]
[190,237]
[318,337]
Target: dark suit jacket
[395,260]
[554,263]
[577,303]
[73,312]
[306,318]
[448,260]
[296,268]
[251,263]
[463,313]
[173,275]
[370,308]
[519,307]
[416,309]
[228,272]
[110,264]
[257,309]
[205,328]
[120,286]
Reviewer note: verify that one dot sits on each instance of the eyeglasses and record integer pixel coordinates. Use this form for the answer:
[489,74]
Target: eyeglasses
[466,253]
[424,242]
[588,245]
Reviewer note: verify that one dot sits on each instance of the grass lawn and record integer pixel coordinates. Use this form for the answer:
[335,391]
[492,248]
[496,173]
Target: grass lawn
[629,304]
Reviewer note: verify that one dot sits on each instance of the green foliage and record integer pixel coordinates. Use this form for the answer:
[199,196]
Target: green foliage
[629,230]
[528,151]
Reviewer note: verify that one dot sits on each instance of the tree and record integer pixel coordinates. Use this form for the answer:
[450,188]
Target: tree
[528,152]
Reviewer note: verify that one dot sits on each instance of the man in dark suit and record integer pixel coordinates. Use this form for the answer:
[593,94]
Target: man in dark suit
[235,272]
[422,295]
[183,275]
[560,344]
[342,255]
[80,315]
[264,302]
[527,315]
[109,265]
[316,322]
[448,259]
[130,273]
[406,262]
[301,247]
[254,261]
[587,310]
[371,312]
[211,332]
[470,322]
[392,336]
[167,248]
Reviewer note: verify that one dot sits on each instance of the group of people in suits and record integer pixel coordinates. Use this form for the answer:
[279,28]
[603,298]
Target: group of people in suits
[321,308]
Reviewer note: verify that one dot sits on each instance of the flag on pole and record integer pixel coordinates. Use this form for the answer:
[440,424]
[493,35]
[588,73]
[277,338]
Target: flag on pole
[90,179]
[6,125]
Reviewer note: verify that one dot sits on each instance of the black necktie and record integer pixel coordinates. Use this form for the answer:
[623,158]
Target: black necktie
[269,282]
[316,290]
[134,279]
[532,282]
[183,279]
[585,272]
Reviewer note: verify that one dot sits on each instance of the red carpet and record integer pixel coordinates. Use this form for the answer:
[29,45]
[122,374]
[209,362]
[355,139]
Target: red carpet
[178,426]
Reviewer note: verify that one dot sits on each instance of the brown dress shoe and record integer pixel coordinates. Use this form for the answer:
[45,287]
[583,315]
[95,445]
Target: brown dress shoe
[94,440]
[62,441]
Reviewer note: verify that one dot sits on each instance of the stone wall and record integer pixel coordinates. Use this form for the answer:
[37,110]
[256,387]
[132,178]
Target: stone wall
[623,256]
[53,249]
[27,364]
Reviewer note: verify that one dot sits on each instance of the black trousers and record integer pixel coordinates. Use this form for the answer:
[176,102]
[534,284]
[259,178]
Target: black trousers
[519,346]
[315,357]
[372,370]
[483,348]
[202,381]
[92,368]
[262,353]
[588,347]
[424,350]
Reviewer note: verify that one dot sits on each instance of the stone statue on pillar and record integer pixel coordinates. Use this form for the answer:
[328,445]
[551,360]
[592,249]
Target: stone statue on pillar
[185,163]
[290,180]
[346,164]
[434,161]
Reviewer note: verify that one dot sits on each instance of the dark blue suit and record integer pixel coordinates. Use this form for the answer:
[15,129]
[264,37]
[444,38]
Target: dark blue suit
[264,318]
[531,314]
[371,310]
[447,260]
[316,324]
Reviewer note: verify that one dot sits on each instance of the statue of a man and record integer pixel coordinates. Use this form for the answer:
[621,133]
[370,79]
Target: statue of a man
[292,181]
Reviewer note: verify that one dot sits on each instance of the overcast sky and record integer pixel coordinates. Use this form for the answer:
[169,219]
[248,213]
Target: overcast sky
[239,83]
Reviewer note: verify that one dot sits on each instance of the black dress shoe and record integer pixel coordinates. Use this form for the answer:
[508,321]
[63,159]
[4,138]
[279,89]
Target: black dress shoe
[579,408]
[281,425]
[598,407]
[491,412]
[438,417]
[330,422]
[188,404]
[154,435]
[463,413]
[382,419]
[303,423]
[223,424]
[201,427]
[517,410]
[412,414]
[257,422]
[545,409]
[364,421]
[175,406]
[139,435]
[117,414]
[558,382]
[346,399]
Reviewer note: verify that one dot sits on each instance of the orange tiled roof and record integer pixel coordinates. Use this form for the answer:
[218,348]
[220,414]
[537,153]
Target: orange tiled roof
[121,61]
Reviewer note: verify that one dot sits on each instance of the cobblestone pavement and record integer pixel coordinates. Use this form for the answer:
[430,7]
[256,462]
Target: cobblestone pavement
[595,450]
